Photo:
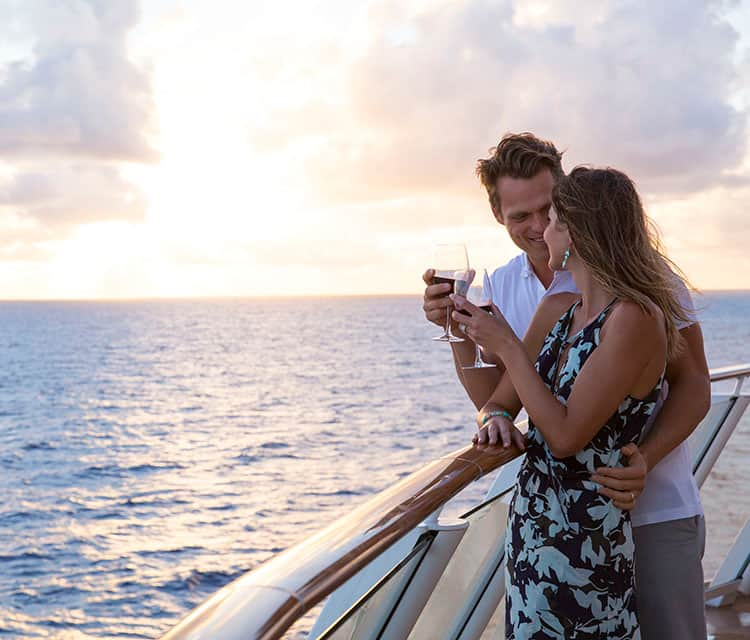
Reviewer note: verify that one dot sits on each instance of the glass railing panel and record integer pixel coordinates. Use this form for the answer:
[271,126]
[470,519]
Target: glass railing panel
[700,440]
[475,558]
[496,628]
[470,497]
[367,617]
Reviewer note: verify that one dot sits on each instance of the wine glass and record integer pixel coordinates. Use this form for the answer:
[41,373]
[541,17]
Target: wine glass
[452,267]
[480,295]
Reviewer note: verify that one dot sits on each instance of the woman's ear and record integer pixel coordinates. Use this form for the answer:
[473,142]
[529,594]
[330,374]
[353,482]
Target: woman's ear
[566,232]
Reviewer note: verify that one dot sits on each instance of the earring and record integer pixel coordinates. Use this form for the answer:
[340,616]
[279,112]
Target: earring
[566,257]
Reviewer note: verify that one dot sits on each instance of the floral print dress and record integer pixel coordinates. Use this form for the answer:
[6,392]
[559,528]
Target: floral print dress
[569,550]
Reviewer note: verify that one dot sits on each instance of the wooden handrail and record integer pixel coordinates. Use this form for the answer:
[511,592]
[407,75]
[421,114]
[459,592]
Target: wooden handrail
[265,602]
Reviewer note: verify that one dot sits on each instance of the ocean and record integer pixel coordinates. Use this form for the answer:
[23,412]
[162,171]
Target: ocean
[152,451]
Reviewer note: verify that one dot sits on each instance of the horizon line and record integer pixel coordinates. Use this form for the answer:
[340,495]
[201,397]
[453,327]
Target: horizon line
[265,297]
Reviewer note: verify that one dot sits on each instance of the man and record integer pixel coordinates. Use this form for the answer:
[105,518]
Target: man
[668,525]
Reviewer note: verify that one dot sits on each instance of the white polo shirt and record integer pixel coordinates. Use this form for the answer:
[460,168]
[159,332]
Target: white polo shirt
[517,291]
[671,492]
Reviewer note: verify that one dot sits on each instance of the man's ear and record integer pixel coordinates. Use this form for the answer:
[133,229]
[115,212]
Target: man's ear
[498,215]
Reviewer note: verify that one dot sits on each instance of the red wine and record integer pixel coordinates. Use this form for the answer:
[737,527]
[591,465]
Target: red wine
[443,279]
[458,285]
[484,307]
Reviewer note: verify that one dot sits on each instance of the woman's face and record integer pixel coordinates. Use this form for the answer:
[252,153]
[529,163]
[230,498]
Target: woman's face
[557,238]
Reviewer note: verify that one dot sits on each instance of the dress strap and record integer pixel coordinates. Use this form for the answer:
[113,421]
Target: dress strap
[563,326]
[605,312]
[595,324]
[610,305]
[570,313]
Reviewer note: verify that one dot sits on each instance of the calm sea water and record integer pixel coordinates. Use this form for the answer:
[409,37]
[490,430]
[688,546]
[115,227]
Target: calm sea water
[150,452]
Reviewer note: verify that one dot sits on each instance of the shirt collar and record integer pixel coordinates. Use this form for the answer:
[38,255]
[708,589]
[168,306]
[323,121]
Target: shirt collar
[527,270]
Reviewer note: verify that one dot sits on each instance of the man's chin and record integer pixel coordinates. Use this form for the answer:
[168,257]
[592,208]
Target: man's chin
[536,253]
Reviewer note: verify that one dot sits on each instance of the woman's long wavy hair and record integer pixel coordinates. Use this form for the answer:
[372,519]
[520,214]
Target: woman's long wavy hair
[618,242]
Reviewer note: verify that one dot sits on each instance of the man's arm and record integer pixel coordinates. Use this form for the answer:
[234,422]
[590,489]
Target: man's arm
[688,401]
[478,383]
[686,405]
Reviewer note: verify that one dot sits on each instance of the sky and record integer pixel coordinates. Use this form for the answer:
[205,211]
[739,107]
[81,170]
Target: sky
[170,148]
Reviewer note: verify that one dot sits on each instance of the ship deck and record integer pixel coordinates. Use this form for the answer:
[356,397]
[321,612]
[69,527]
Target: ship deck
[729,623]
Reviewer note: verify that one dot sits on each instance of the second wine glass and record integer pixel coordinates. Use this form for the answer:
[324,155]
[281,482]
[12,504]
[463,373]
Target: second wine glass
[480,295]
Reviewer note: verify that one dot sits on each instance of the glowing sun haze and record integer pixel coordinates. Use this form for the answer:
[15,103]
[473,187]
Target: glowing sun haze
[196,148]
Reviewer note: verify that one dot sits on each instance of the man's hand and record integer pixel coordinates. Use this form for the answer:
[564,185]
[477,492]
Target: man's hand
[436,300]
[624,484]
[499,430]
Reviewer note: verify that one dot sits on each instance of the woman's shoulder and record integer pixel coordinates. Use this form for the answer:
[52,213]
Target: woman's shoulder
[635,312]
[628,318]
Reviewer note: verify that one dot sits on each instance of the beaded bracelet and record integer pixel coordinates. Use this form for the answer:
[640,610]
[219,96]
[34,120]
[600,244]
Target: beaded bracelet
[491,414]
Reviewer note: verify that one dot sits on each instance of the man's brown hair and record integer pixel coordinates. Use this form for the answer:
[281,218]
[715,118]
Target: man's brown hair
[517,155]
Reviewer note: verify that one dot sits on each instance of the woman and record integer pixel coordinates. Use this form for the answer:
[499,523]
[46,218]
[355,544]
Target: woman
[569,570]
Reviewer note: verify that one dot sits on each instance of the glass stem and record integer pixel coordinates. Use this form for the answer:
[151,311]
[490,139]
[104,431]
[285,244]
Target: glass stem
[448,322]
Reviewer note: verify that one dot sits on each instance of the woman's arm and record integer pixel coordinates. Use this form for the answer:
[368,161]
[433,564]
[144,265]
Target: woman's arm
[548,312]
[611,372]
[498,429]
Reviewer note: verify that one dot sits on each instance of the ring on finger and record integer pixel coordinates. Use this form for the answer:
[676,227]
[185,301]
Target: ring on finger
[632,496]
[462,327]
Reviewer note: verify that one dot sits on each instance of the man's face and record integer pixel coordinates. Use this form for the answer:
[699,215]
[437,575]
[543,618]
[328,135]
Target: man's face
[524,204]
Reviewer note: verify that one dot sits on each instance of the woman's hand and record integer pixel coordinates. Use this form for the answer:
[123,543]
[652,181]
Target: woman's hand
[491,332]
[499,430]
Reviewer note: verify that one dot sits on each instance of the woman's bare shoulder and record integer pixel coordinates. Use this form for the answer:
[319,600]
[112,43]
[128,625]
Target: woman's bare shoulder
[630,319]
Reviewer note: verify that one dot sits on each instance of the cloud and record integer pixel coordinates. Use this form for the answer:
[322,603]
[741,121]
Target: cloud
[615,83]
[711,222]
[58,197]
[73,109]
[77,94]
